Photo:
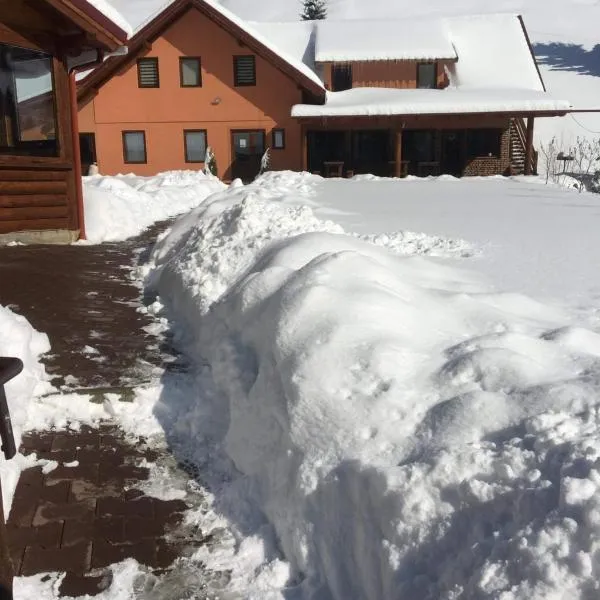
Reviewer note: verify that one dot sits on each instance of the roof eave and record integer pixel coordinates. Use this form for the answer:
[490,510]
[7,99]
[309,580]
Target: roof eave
[328,60]
[511,113]
[102,33]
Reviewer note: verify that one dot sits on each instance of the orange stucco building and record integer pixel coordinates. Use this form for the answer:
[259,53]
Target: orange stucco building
[320,96]
[217,107]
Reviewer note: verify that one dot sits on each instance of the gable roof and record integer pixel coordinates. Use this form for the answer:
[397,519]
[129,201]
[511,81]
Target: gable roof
[252,38]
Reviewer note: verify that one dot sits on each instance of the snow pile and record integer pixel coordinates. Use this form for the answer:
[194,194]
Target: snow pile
[120,207]
[411,242]
[406,432]
[20,340]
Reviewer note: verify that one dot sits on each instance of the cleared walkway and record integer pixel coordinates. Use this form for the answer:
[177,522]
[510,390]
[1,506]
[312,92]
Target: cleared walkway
[88,513]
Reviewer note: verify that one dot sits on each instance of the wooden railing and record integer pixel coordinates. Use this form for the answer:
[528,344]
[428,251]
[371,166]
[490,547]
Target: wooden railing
[520,129]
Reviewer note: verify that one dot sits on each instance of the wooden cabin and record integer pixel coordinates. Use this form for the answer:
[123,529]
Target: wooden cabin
[42,44]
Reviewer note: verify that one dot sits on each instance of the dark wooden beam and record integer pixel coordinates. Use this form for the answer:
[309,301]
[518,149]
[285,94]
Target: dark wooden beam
[529,147]
[398,153]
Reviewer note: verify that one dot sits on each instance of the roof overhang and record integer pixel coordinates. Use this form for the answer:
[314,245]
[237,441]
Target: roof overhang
[100,30]
[389,102]
[62,27]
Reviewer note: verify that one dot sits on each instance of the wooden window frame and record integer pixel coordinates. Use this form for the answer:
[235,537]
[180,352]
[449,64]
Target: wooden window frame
[134,162]
[435,74]
[237,83]
[273,132]
[185,148]
[182,59]
[153,59]
[33,149]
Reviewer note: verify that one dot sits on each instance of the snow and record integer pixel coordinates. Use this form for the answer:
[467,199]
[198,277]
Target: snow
[296,39]
[110,12]
[406,426]
[492,52]
[390,39]
[389,101]
[117,208]
[19,339]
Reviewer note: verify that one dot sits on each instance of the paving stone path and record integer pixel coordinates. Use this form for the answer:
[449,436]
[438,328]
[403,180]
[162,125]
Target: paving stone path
[88,512]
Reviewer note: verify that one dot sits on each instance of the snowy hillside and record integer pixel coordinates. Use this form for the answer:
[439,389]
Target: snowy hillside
[564,34]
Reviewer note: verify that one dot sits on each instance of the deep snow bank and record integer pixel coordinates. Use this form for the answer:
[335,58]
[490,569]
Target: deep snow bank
[19,339]
[407,433]
[117,208]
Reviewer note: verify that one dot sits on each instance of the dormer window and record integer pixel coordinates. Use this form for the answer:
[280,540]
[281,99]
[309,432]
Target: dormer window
[341,77]
[427,76]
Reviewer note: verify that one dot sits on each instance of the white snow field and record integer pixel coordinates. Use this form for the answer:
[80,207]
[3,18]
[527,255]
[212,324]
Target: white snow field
[117,208]
[401,424]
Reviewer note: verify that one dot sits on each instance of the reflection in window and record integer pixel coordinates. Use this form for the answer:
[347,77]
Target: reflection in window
[27,107]
[134,147]
[195,145]
[427,76]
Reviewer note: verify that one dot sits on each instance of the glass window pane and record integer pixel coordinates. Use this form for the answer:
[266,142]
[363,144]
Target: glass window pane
[27,102]
[195,146]
[278,140]
[190,72]
[426,76]
[135,146]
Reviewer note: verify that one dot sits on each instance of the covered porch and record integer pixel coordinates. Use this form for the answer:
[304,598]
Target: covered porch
[420,146]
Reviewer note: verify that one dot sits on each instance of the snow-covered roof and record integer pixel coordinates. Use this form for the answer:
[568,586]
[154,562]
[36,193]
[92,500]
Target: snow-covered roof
[493,51]
[111,13]
[294,39]
[367,102]
[359,40]
[267,42]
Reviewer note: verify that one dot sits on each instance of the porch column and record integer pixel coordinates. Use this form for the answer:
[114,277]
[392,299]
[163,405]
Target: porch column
[348,152]
[398,153]
[529,147]
[304,143]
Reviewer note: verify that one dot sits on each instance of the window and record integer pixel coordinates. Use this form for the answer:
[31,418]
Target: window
[190,72]
[244,70]
[195,145]
[148,73]
[427,75]
[134,147]
[484,142]
[27,103]
[341,78]
[278,140]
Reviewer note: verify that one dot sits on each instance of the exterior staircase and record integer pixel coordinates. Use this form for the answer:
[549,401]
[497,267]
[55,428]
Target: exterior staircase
[518,156]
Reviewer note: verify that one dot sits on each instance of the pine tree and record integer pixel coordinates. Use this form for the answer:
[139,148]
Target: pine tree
[314,9]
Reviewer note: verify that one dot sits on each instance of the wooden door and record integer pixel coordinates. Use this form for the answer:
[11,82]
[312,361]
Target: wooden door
[87,150]
[248,147]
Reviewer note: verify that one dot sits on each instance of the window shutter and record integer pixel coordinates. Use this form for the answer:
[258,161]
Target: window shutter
[244,70]
[148,72]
